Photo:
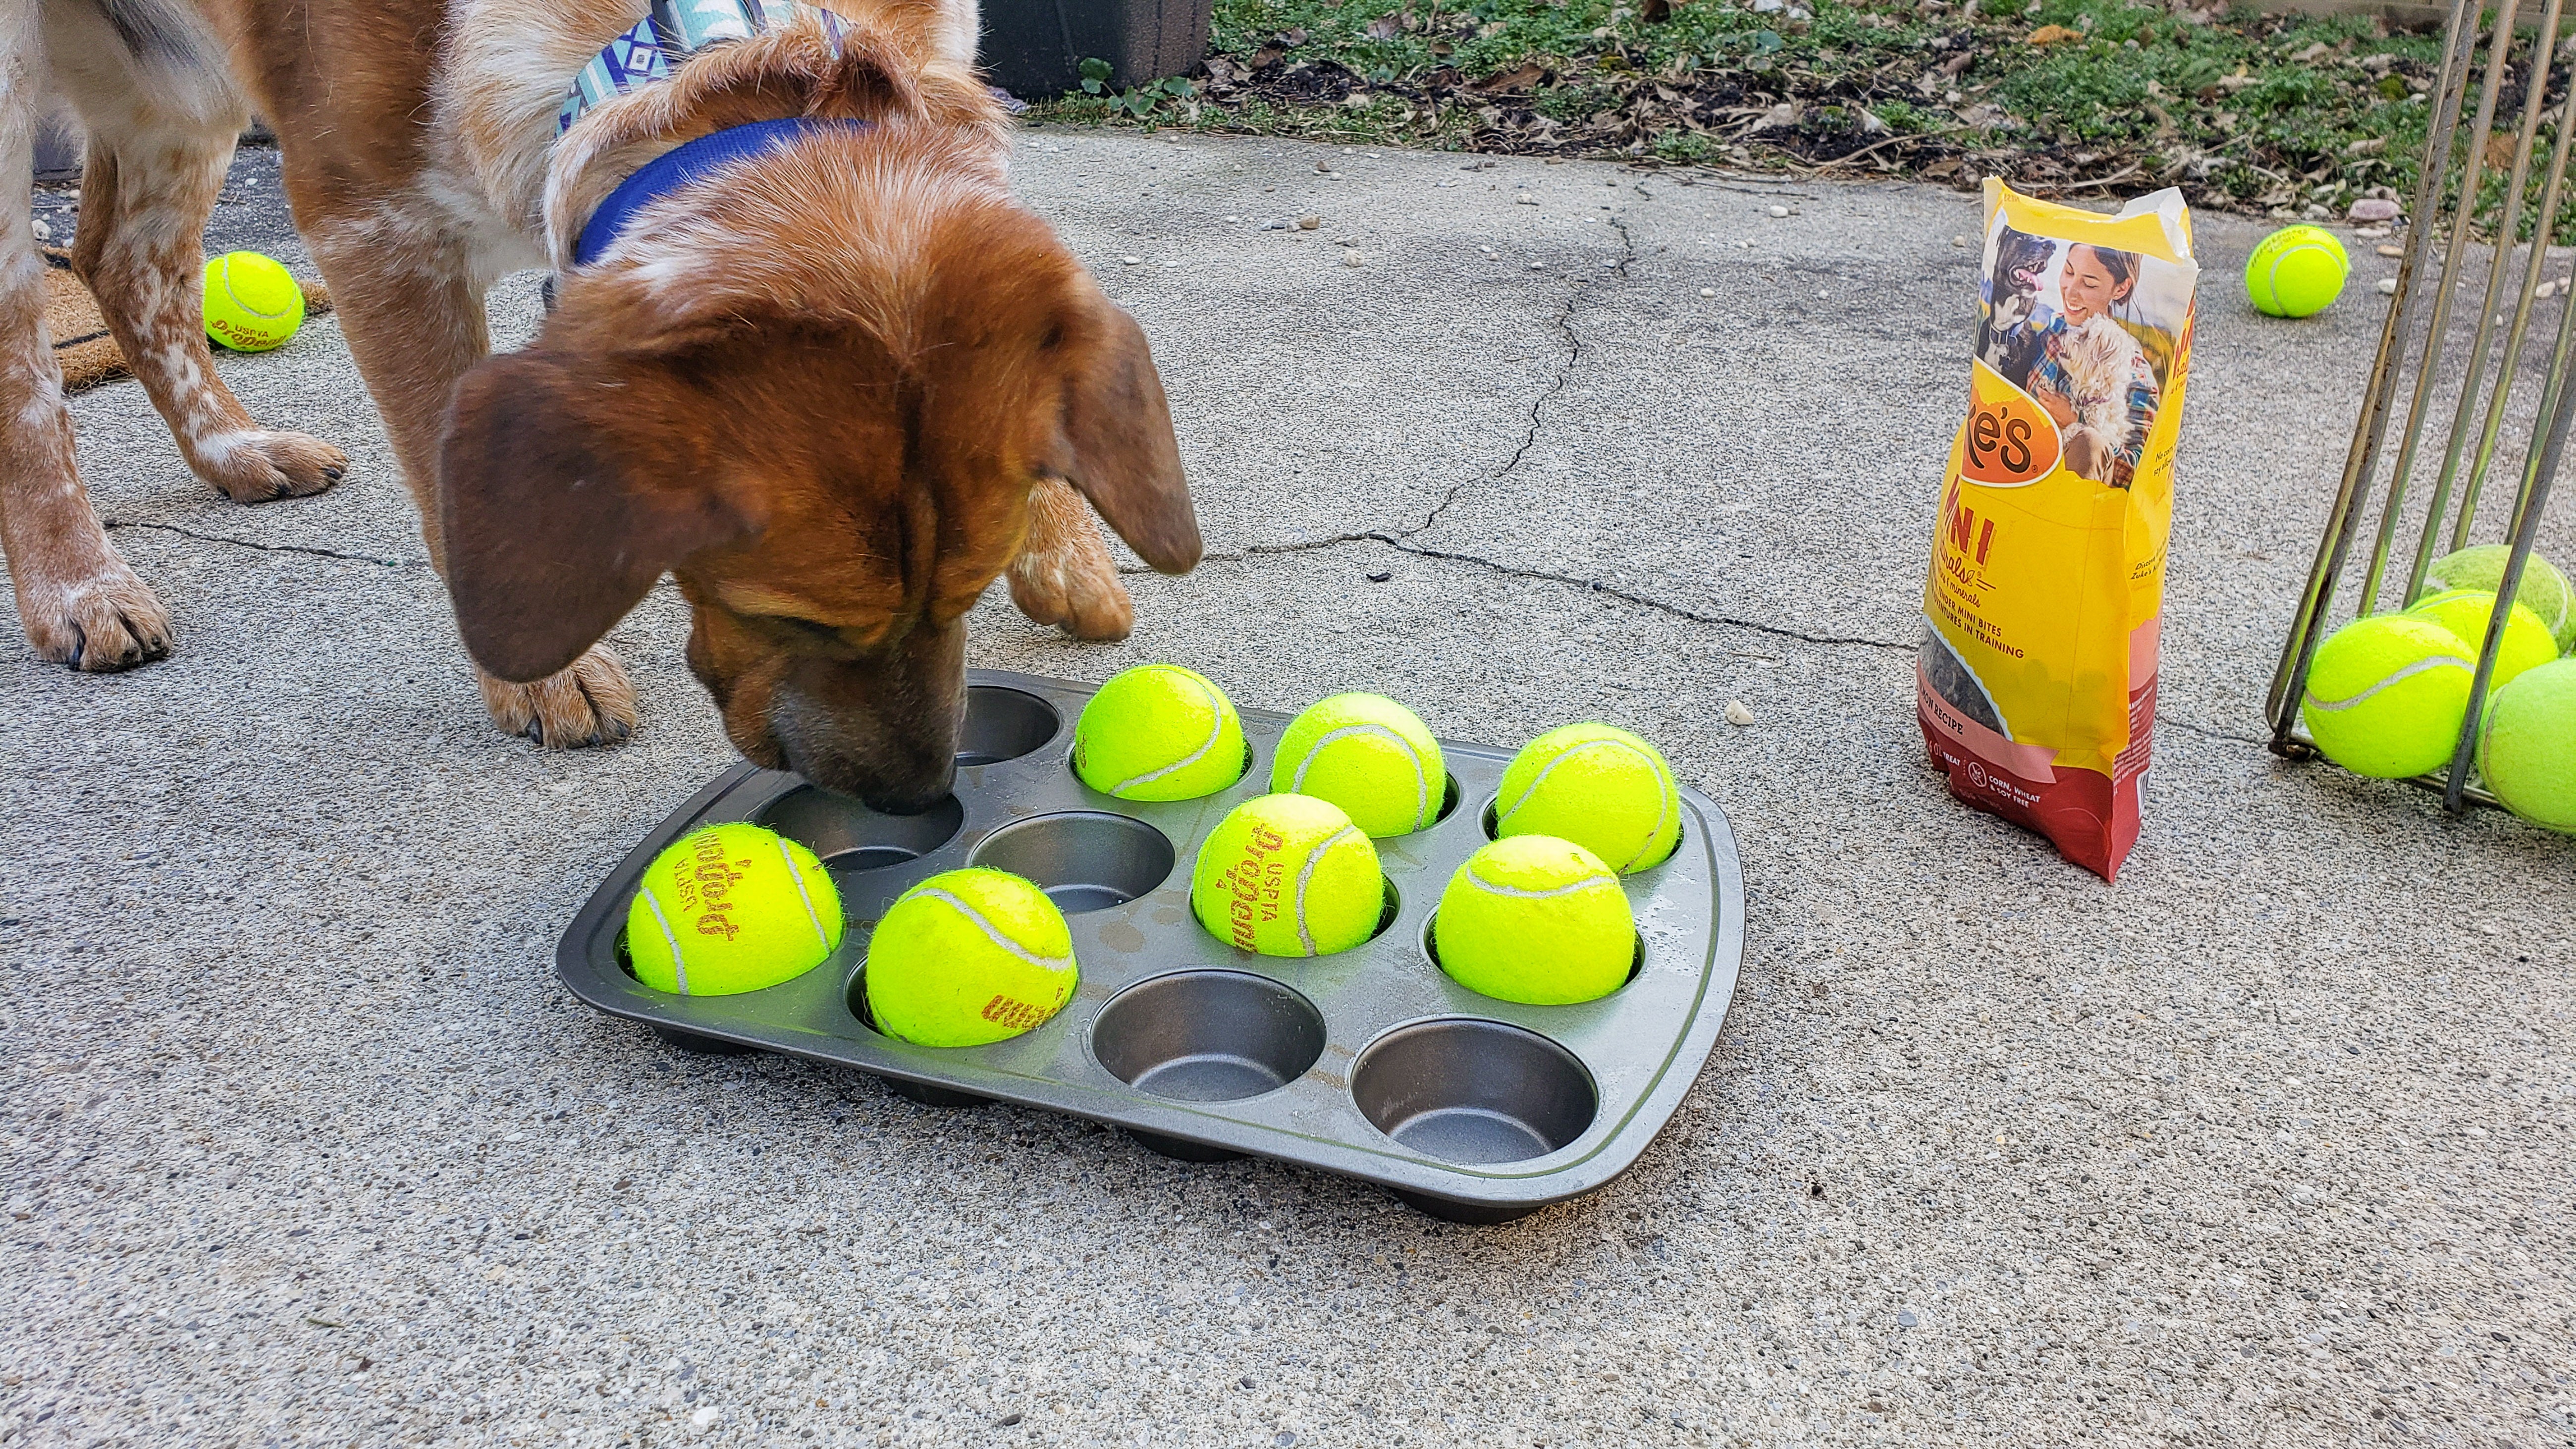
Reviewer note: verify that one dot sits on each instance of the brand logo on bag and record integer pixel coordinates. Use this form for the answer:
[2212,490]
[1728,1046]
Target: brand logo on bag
[2010,440]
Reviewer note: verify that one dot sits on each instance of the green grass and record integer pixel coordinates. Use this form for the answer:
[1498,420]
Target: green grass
[2277,114]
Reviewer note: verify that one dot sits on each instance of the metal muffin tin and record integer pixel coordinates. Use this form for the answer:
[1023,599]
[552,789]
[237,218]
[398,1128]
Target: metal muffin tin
[1371,1063]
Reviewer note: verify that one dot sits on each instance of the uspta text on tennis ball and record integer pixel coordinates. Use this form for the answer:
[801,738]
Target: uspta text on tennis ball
[2467,613]
[2544,589]
[731,908]
[1598,786]
[1288,875]
[2387,695]
[1369,755]
[252,303]
[2527,745]
[969,957]
[1536,920]
[2298,271]
[1159,732]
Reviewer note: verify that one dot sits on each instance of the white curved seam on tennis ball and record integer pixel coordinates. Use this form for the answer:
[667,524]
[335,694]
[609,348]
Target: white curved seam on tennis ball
[1216,732]
[2272,278]
[2438,661]
[1523,893]
[993,934]
[802,894]
[1421,782]
[238,300]
[1306,874]
[679,963]
[1663,786]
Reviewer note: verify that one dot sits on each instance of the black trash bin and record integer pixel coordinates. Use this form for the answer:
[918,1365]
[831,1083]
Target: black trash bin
[1035,48]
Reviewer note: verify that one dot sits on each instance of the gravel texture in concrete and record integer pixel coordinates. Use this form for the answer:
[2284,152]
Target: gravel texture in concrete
[2266,1145]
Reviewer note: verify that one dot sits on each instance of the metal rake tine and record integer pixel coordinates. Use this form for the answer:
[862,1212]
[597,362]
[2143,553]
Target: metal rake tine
[2544,224]
[2370,430]
[2508,228]
[2463,218]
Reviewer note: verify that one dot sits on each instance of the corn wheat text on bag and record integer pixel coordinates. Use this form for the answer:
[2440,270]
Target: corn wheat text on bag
[2036,687]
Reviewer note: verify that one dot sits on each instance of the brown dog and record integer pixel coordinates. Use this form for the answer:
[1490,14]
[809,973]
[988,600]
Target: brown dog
[835,386]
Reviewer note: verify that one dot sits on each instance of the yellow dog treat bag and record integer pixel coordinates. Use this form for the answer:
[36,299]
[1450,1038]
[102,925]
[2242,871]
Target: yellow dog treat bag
[2036,687]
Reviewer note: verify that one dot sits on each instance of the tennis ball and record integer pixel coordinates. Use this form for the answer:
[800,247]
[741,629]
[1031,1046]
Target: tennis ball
[731,908]
[1159,732]
[2298,271]
[1535,919]
[2387,695]
[252,303]
[1369,755]
[969,957]
[2544,589]
[2465,612]
[2527,745]
[1598,786]
[1288,875]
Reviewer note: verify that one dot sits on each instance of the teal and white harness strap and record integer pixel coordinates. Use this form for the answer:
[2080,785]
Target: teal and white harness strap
[670,32]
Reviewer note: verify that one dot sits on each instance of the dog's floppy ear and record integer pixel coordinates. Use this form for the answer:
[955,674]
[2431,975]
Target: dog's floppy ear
[564,494]
[1117,440]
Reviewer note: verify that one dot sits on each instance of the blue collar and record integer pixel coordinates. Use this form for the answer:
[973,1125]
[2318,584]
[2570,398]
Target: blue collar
[685,164]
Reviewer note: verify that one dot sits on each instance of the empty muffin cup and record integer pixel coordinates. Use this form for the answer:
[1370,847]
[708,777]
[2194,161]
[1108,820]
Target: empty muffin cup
[1004,724]
[1470,1091]
[850,836]
[1085,860]
[1208,1036]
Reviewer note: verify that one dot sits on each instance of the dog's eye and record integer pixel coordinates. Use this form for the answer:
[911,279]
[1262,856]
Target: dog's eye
[823,633]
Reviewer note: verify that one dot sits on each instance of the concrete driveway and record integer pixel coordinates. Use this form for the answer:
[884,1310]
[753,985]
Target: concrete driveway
[2267,1145]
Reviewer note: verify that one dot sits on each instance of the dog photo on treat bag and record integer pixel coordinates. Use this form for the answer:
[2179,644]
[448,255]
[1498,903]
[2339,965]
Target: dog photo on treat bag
[2036,684]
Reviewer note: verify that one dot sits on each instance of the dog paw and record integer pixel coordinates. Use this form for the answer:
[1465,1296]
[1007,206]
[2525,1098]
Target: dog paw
[588,702]
[1080,594]
[254,467]
[99,624]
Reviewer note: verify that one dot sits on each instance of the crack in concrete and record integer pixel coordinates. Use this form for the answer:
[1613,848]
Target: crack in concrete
[252,543]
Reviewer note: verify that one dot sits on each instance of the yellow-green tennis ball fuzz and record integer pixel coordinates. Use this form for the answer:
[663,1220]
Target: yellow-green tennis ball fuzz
[2298,271]
[1369,755]
[969,957]
[2387,695]
[2527,746]
[2527,642]
[1288,875]
[2544,589]
[1537,920]
[1598,786]
[1159,732]
[252,303]
[731,908]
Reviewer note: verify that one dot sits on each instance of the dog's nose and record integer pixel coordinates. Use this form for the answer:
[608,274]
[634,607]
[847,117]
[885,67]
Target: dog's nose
[910,799]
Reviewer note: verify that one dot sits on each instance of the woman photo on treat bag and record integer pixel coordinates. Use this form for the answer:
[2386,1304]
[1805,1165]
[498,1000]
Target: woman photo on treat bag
[2093,377]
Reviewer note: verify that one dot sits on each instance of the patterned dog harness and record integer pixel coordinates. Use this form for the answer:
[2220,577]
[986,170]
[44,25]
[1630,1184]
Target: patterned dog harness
[669,34]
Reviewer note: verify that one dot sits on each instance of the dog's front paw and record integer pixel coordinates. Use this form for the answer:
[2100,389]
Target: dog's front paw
[588,702]
[256,466]
[100,621]
[1075,588]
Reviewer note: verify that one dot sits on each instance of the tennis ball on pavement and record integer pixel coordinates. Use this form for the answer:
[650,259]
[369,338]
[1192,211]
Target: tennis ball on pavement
[1535,919]
[1288,875]
[2465,612]
[2527,745]
[2544,589]
[969,957]
[731,908]
[1598,786]
[1159,732]
[2387,695]
[2298,271]
[252,302]
[1369,755]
